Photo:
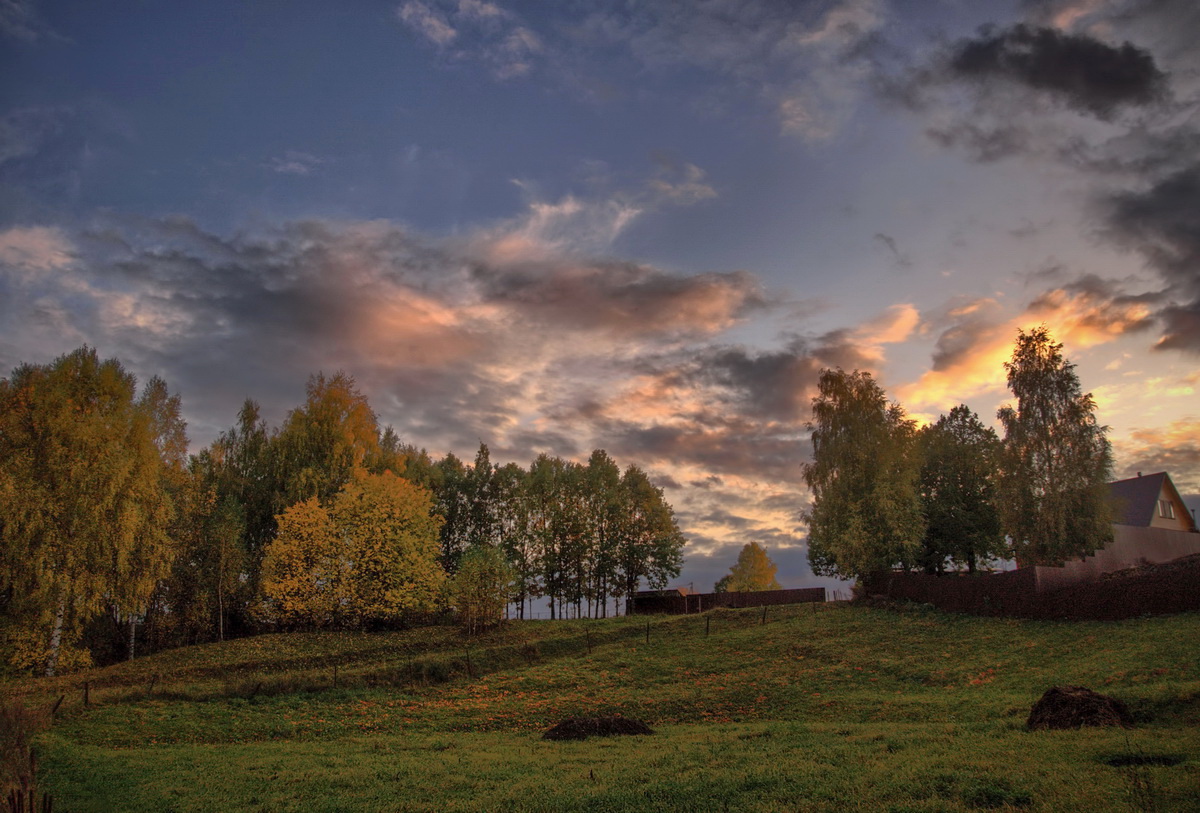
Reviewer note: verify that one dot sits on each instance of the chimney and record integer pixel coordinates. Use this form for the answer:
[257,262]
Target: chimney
[1139,474]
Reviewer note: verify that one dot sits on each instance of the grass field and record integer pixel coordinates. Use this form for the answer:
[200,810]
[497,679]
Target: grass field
[844,708]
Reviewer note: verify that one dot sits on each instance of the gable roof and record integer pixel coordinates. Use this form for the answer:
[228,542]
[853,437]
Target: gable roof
[1135,500]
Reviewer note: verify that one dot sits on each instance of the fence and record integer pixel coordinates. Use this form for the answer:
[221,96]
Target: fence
[1173,587]
[675,604]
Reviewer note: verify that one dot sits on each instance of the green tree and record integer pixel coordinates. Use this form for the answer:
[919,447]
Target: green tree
[481,588]
[753,571]
[516,532]
[865,514]
[606,507]
[650,545]
[205,586]
[1056,460]
[83,514]
[959,458]
[449,479]
[322,443]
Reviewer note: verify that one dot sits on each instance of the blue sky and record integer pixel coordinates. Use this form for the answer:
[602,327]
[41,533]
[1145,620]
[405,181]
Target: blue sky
[642,227]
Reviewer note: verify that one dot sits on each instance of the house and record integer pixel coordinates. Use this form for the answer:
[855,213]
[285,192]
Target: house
[1150,501]
[1151,525]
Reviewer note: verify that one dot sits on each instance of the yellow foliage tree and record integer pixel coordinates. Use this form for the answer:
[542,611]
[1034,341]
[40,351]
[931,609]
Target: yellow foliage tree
[84,514]
[370,557]
[753,570]
[302,570]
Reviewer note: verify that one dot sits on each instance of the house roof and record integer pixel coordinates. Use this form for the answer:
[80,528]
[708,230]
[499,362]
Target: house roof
[1136,499]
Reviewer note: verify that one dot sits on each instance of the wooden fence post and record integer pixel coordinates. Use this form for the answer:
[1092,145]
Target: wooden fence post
[764,618]
[647,632]
[707,624]
[87,697]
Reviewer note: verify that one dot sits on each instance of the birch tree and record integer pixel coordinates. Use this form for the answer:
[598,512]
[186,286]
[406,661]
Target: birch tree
[865,514]
[1056,460]
[83,515]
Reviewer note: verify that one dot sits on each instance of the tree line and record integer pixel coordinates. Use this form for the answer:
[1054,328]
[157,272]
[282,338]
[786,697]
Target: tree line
[114,537]
[954,494]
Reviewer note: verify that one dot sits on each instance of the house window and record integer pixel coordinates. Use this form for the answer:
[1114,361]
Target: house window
[1166,509]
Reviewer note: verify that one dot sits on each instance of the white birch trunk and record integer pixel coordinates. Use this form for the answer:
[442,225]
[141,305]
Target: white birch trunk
[56,636]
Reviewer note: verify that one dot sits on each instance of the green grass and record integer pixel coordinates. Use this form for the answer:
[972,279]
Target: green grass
[846,708]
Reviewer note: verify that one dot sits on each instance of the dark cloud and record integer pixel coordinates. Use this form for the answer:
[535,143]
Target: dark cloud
[902,260]
[776,385]
[626,298]
[731,447]
[1086,74]
[1162,223]
[982,143]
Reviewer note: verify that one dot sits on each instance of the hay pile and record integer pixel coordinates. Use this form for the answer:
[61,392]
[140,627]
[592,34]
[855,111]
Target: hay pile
[1073,707]
[580,728]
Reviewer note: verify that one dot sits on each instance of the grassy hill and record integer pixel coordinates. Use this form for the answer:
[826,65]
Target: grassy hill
[840,708]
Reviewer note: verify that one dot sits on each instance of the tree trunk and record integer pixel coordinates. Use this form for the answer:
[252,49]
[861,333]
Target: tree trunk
[56,636]
[132,633]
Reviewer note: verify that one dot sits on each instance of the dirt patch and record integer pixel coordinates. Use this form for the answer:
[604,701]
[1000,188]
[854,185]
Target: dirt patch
[580,728]
[1075,706]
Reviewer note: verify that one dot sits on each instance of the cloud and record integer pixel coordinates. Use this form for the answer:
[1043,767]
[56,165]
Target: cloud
[294,162]
[570,225]
[803,63]
[901,260]
[1062,90]
[1162,223]
[426,21]
[975,336]
[1174,449]
[473,30]
[20,20]
[35,249]
[1084,73]
[1091,311]
[682,184]
[472,347]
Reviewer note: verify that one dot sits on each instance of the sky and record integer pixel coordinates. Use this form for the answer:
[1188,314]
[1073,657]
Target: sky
[642,226]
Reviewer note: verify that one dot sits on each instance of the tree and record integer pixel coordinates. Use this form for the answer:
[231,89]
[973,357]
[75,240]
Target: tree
[205,584]
[449,482]
[323,442]
[649,545]
[1056,460]
[516,531]
[83,514]
[865,514]
[370,558]
[959,457]
[481,588]
[606,507]
[304,569]
[753,571]
[391,536]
